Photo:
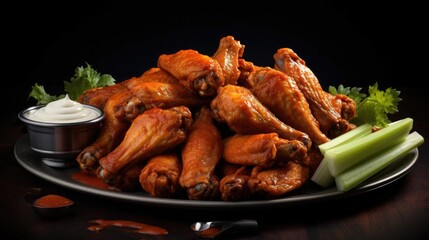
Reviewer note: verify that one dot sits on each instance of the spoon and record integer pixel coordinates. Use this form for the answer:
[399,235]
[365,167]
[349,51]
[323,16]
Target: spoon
[217,229]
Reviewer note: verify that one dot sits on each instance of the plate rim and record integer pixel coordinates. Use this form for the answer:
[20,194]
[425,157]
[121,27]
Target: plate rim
[25,157]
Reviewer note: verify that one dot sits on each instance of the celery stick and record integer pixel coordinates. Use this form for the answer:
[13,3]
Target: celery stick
[357,174]
[359,131]
[345,156]
[322,176]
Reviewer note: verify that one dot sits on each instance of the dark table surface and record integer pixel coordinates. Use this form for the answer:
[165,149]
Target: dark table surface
[350,45]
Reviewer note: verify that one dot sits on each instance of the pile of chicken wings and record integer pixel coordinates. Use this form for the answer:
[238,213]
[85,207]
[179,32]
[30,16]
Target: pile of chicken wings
[214,127]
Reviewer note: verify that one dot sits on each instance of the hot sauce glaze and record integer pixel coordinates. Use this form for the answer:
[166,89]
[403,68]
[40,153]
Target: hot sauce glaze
[136,226]
[52,200]
[91,180]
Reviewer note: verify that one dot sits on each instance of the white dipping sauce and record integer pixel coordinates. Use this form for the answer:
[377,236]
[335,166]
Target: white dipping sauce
[63,111]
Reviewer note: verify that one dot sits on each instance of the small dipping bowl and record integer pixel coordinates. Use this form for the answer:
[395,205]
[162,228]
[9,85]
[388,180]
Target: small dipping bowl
[58,144]
[52,206]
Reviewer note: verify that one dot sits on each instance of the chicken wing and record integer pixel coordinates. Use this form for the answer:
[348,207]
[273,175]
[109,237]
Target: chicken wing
[153,132]
[153,75]
[227,54]
[315,157]
[98,96]
[234,186]
[280,94]
[111,134]
[123,107]
[245,114]
[160,176]
[201,153]
[264,149]
[197,72]
[278,181]
[344,105]
[147,95]
[331,122]
[128,180]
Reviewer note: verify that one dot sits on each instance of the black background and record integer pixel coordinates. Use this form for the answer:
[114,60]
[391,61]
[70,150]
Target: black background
[355,45]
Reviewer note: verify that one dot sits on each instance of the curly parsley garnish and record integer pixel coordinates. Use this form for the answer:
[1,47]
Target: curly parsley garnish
[373,108]
[84,78]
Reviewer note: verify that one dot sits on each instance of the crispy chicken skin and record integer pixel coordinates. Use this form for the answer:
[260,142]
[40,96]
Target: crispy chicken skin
[151,133]
[214,127]
[278,181]
[111,134]
[154,74]
[123,107]
[147,95]
[227,54]
[331,122]
[344,105]
[99,96]
[281,95]
[234,183]
[197,72]
[160,176]
[128,180]
[201,153]
[245,114]
[315,157]
[264,149]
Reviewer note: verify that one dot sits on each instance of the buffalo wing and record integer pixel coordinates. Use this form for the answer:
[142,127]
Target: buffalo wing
[201,153]
[122,108]
[245,114]
[279,93]
[278,181]
[111,134]
[331,122]
[100,95]
[151,133]
[233,185]
[147,95]
[264,149]
[197,72]
[160,175]
[228,54]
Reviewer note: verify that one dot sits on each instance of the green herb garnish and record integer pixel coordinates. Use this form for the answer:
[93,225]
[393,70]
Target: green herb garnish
[84,78]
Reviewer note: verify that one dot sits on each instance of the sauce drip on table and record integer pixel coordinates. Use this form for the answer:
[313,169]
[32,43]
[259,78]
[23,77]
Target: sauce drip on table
[135,226]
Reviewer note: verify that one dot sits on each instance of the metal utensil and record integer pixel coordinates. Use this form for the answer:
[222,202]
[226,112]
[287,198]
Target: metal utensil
[217,229]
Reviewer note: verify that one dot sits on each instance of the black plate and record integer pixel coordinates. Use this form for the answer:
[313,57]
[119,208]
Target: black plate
[308,193]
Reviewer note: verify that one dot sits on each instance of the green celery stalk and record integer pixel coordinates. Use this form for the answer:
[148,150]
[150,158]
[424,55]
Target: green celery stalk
[322,176]
[357,174]
[359,131]
[349,154]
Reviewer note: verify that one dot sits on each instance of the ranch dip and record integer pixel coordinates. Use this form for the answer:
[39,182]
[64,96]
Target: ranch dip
[63,110]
